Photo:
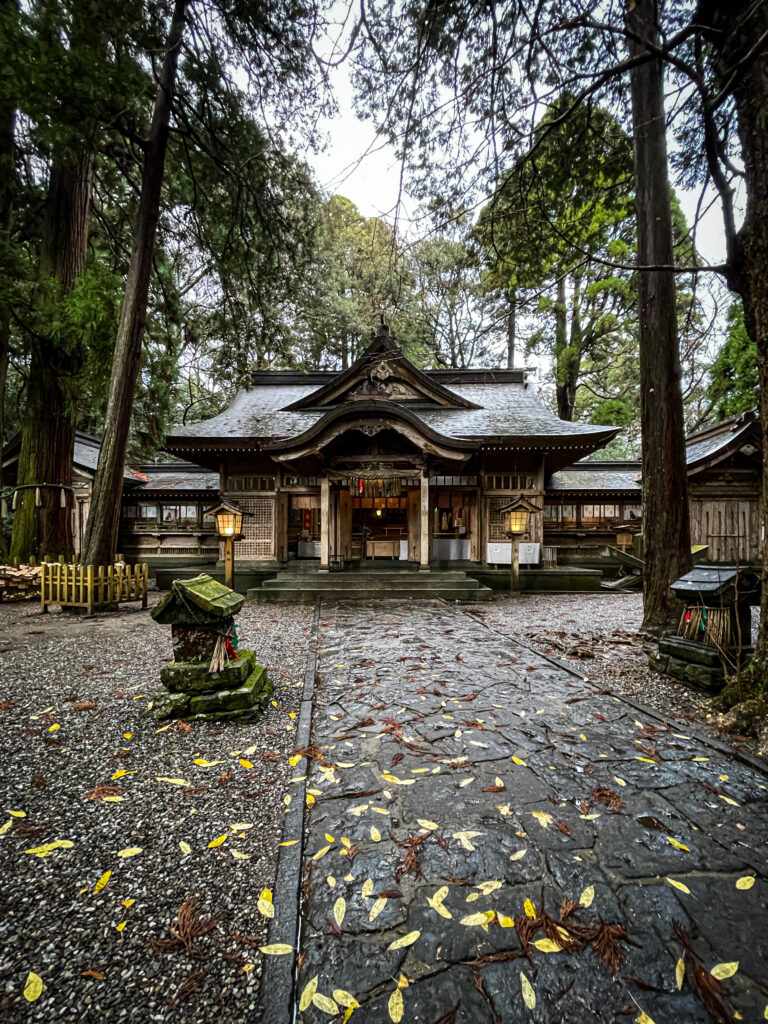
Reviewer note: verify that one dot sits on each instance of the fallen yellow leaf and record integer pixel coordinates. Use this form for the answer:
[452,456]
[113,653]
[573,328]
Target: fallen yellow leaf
[33,987]
[679,885]
[325,1003]
[404,940]
[185,847]
[276,949]
[245,763]
[395,1006]
[518,855]
[308,994]
[217,841]
[520,761]
[722,971]
[375,834]
[345,998]
[430,826]
[677,844]
[339,910]
[585,900]
[46,849]
[481,919]
[464,838]
[377,908]
[745,882]
[547,946]
[206,764]
[130,851]
[121,925]
[174,782]
[237,855]
[680,973]
[543,818]
[102,881]
[529,909]
[526,988]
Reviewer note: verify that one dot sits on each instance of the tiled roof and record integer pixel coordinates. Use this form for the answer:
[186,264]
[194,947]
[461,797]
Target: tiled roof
[86,455]
[698,450]
[181,477]
[509,409]
[594,476]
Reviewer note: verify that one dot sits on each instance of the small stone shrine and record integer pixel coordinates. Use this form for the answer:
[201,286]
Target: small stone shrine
[208,677]
[715,631]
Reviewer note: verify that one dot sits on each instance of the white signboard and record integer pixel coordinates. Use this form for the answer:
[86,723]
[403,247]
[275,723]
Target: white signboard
[500,553]
[530,554]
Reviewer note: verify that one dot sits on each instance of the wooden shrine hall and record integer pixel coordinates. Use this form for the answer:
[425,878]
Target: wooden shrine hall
[384,461]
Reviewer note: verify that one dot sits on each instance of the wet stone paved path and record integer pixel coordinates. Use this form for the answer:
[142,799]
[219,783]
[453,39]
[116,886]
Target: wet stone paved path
[476,808]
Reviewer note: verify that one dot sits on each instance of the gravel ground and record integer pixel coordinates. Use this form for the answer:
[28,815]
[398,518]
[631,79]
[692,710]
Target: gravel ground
[599,633]
[74,697]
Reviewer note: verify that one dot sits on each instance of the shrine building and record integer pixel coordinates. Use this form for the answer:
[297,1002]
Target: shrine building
[385,461]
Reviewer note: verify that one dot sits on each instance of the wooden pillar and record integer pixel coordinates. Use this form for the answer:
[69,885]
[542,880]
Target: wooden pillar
[325,495]
[424,524]
[229,563]
[514,565]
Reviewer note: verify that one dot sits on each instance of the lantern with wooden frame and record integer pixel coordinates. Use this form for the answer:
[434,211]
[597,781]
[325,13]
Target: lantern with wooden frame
[229,527]
[516,516]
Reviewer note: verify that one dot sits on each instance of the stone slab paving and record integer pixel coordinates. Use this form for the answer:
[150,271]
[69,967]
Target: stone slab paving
[464,788]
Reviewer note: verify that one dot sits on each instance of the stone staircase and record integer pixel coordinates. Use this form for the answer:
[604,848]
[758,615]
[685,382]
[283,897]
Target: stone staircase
[302,586]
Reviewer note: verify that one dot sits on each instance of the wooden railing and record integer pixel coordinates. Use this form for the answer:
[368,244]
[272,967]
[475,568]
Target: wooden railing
[90,586]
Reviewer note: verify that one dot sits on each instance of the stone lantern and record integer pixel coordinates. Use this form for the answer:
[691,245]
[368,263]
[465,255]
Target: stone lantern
[208,677]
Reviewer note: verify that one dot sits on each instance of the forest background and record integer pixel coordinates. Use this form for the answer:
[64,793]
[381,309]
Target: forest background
[257,265]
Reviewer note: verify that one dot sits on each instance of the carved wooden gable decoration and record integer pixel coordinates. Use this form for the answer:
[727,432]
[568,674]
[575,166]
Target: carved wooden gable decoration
[383,372]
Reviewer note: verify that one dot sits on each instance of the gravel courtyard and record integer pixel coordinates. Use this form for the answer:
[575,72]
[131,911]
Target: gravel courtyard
[84,762]
[151,818]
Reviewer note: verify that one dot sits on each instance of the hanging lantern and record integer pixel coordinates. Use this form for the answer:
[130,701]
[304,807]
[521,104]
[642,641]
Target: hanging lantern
[229,519]
[516,513]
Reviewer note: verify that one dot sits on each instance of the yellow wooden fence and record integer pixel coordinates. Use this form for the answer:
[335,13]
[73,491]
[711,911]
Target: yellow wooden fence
[89,586]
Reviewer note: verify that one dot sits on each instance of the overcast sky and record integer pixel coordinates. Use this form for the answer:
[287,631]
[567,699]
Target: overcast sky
[365,169]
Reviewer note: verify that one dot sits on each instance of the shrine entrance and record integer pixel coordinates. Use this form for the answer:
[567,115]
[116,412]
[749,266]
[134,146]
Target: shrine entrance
[378,516]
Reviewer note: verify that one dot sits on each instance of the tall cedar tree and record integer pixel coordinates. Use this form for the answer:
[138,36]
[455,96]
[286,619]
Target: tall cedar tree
[104,520]
[43,519]
[737,31]
[8,14]
[665,481]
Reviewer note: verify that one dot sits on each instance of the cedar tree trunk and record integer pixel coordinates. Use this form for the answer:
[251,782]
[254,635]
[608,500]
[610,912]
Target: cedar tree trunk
[738,33]
[665,485]
[48,430]
[511,326]
[8,10]
[104,520]
[567,359]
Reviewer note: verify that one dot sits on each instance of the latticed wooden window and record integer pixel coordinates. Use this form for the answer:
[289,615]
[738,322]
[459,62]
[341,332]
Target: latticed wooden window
[496,529]
[258,529]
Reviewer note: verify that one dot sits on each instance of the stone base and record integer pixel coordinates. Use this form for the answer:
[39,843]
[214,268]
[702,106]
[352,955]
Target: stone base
[697,665]
[190,677]
[241,693]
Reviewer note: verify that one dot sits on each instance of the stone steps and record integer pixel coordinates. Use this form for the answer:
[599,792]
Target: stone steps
[304,588]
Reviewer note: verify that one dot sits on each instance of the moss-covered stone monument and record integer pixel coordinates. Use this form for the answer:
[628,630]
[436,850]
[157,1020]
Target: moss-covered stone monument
[208,678]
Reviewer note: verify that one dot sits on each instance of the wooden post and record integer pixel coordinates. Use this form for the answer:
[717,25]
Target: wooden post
[325,496]
[89,588]
[424,524]
[43,607]
[514,565]
[229,563]
[144,584]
